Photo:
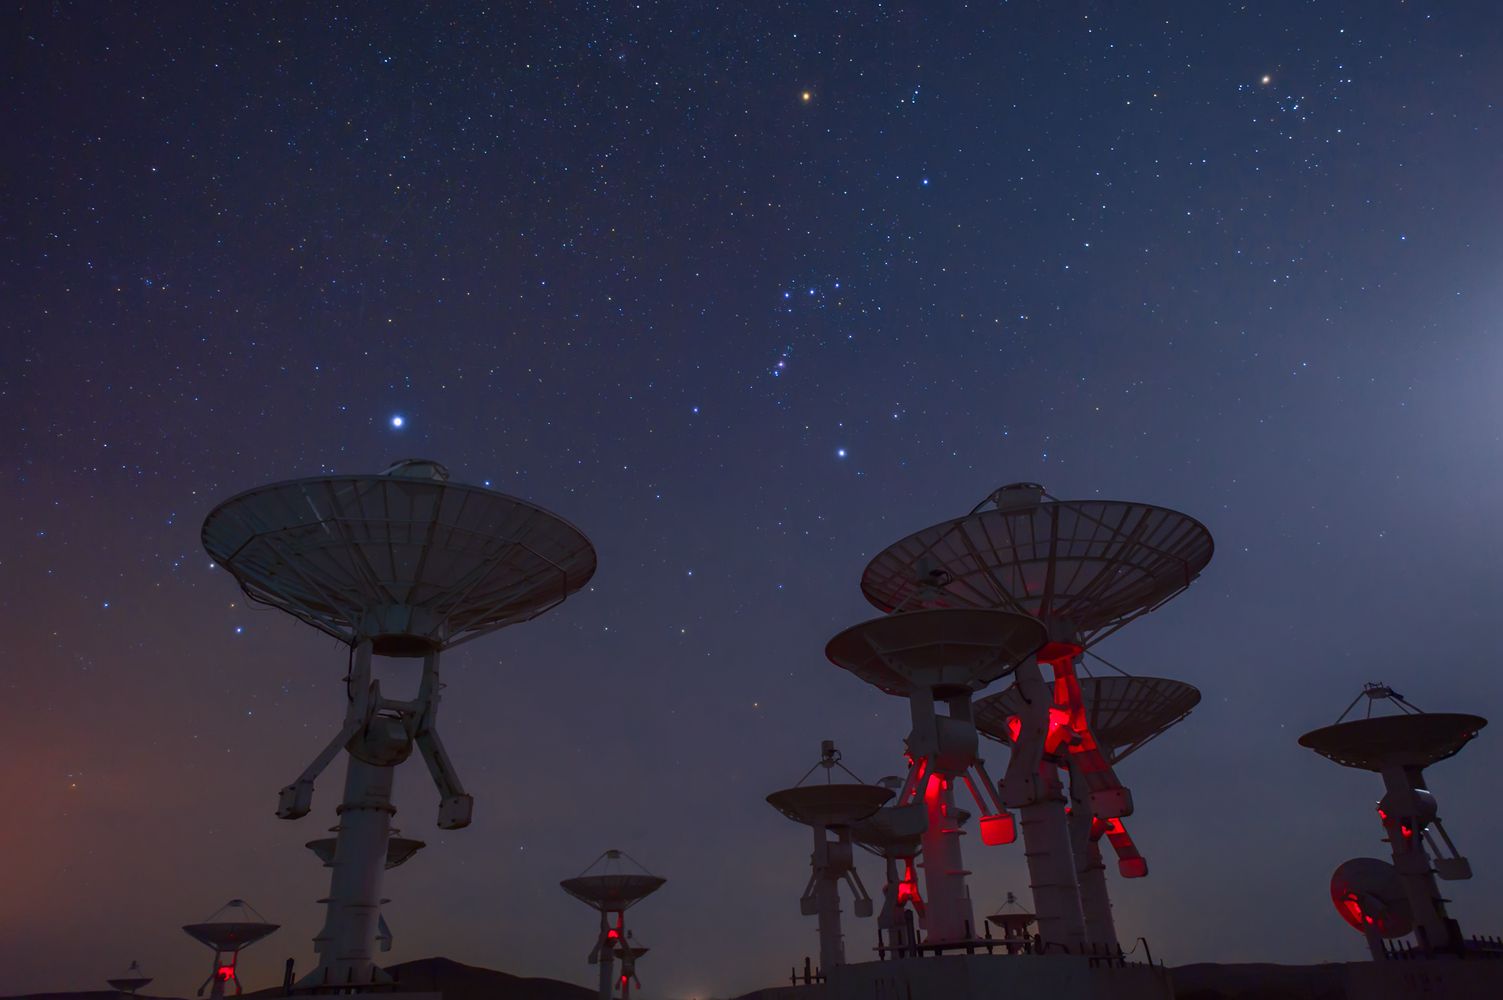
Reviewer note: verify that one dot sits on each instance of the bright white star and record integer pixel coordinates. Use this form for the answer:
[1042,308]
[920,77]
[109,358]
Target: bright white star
[398,421]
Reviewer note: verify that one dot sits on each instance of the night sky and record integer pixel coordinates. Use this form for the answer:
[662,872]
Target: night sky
[747,292]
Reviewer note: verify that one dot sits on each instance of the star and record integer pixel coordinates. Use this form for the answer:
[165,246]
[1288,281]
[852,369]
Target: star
[398,421]
[806,97]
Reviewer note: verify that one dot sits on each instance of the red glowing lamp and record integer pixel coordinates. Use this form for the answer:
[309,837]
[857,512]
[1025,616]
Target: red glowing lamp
[998,829]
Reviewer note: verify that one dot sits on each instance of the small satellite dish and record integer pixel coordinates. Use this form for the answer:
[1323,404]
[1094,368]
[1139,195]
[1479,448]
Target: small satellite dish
[131,980]
[1368,894]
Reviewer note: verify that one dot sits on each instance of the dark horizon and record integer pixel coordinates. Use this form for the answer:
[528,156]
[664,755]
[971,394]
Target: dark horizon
[747,295]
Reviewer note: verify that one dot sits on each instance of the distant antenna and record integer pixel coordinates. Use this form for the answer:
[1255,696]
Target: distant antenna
[831,807]
[232,928]
[607,886]
[1083,568]
[1123,713]
[942,657]
[1400,747]
[131,980]
[1014,921]
[404,564]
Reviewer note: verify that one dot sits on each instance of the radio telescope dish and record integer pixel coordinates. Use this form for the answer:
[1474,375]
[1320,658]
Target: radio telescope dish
[1121,713]
[1369,895]
[896,835]
[1124,712]
[232,928]
[942,655]
[407,558]
[831,808]
[403,564]
[1084,567]
[893,831]
[1014,920]
[1399,747]
[399,850]
[612,889]
[1403,740]
[829,805]
[937,650]
[133,979]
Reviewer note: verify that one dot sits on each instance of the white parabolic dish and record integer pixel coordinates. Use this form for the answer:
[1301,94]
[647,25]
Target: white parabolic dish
[406,558]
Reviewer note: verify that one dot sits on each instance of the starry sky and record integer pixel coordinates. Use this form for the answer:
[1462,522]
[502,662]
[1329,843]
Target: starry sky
[748,292]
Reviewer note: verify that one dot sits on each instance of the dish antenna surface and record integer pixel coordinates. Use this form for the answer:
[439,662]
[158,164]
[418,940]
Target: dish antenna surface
[831,807]
[403,564]
[1123,713]
[608,886]
[131,980]
[232,928]
[1083,568]
[1399,747]
[942,656]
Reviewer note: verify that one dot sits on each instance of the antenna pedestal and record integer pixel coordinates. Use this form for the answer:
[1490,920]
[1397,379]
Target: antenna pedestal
[1051,863]
[830,862]
[949,914]
[605,953]
[898,893]
[1032,784]
[826,809]
[1090,870]
[1407,811]
[347,942]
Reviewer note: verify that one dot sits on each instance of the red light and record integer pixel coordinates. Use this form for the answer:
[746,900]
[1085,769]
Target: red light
[908,891]
[1382,815]
[1405,830]
[1351,912]
[998,829]
[1015,727]
[933,790]
[225,973]
[1350,908]
[1054,652]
